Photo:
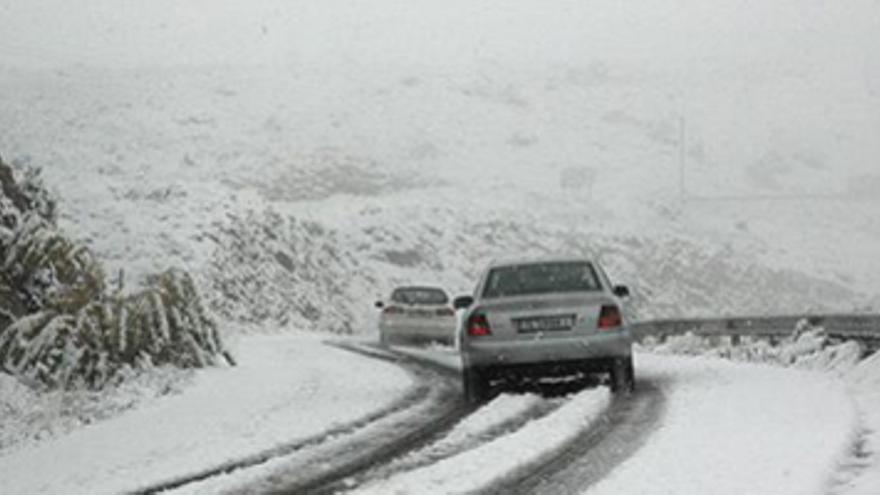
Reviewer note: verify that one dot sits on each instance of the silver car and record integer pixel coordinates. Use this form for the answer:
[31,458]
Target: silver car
[416,314]
[544,317]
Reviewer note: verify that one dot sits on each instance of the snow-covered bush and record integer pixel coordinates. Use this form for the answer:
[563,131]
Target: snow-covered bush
[807,347]
[58,325]
[164,324]
[274,268]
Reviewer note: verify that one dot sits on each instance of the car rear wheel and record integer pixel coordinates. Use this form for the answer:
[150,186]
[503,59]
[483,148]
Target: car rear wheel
[475,384]
[623,376]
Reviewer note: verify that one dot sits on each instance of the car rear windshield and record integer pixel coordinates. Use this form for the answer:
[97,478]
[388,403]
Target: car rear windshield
[420,296]
[541,278]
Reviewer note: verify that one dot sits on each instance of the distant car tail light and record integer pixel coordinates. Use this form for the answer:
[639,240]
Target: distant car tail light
[609,317]
[393,310]
[478,326]
[445,312]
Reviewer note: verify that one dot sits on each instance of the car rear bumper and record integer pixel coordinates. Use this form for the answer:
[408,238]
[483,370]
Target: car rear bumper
[442,330]
[545,352]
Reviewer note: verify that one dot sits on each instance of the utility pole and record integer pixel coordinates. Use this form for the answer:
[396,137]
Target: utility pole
[682,156]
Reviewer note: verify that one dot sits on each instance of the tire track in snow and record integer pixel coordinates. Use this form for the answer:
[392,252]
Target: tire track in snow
[854,462]
[503,415]
[593,454]
[426,392]
[484,466]
[615,436]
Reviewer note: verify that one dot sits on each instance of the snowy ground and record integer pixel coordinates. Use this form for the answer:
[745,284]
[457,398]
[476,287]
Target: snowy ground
[858,469]
[727,428]
[285,389]
[31,416]
[734,429]
[864,459]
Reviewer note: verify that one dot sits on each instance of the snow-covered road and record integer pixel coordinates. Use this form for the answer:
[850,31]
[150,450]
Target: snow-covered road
[739,429]
[723,428]
[286,389]
[716,427]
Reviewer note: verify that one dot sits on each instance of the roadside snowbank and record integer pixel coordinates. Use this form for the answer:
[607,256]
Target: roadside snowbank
[858,466]
[864,380]
[285,388]
[733,429]
[807,348]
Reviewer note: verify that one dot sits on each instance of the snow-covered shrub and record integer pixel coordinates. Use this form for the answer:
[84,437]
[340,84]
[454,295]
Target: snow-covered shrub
[274,268]
[36,261]
[807,347]
[58,325]
[165,324]
[43,268]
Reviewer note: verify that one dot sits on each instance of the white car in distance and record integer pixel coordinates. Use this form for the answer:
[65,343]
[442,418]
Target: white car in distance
[417,315]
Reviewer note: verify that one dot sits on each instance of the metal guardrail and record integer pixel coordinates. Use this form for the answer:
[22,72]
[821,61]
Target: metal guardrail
[862,328]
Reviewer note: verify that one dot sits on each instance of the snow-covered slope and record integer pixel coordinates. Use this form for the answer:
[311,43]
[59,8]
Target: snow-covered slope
[405,130]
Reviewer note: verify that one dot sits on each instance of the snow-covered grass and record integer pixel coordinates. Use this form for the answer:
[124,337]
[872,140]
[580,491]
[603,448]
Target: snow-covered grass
[284,389]
[60,325]
[490,462]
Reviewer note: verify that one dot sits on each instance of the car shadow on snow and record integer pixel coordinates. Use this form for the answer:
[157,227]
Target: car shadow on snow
[548,387]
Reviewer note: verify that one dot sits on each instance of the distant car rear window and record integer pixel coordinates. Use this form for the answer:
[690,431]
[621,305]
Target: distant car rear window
[419,295]
[541,278]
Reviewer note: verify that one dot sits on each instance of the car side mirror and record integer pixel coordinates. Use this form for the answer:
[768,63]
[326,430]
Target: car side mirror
[380,304]
[621,291]
[463,302]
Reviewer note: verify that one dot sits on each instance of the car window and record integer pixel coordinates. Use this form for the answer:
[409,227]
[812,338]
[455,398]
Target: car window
[419,296]
[541,278]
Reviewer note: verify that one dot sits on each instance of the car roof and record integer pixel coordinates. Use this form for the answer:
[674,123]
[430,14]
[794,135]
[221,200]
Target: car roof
[540,259]
[419,287]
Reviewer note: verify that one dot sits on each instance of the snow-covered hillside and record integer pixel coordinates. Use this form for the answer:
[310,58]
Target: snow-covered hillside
[421,138]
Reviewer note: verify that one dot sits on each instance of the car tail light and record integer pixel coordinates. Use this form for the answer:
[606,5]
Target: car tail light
[609,317]
[445,312]
[393,310]
[478,326]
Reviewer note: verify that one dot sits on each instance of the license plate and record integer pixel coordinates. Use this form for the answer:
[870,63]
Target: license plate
[544,323]
[420,313]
